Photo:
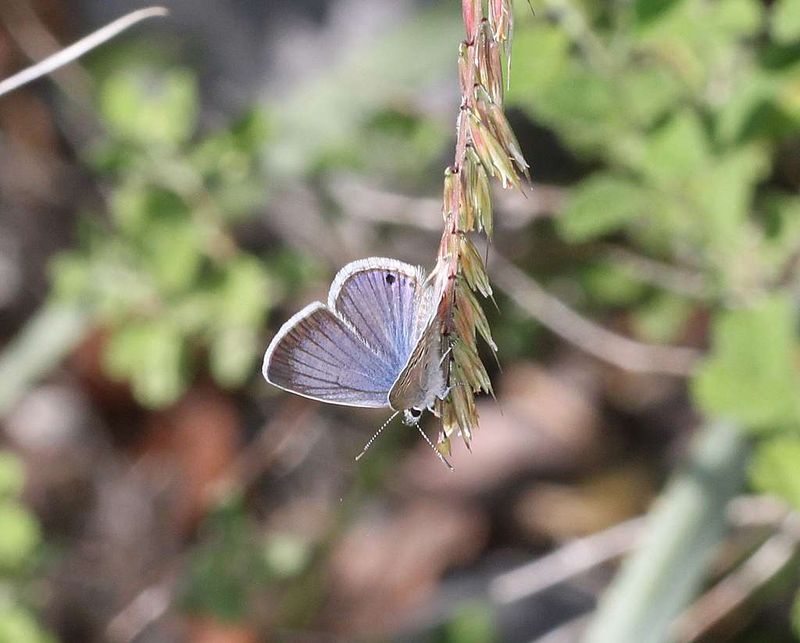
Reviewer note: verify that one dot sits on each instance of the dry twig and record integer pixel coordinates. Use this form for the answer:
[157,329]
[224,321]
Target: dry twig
[738,587]
[485,148]
[78,49]
[679,280]
[595,340]
[364,201]
[573,558]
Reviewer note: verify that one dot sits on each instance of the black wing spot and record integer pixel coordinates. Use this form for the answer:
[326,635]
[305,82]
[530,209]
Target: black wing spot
[390,279]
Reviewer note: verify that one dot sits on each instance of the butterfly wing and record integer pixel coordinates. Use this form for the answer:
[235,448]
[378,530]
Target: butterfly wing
[422,379]
[318,355]
[381,299]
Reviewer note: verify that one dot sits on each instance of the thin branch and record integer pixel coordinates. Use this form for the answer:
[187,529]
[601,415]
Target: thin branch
[259,456]
[568,632]
[148,606]
[684,528]
[584,554]
[610,347]
[155,600]
[755,511]
[78,49]
[733,591]
[36,42]
[574,558]
[679,280]
[43,342]
[366,202]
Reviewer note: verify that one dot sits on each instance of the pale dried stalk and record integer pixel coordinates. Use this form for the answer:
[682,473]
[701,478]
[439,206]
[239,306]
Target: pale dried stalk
[485,147]
[78,49]
[737,588]
[622,352]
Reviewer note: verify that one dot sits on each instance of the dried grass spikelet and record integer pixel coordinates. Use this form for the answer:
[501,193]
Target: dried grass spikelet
[486,147]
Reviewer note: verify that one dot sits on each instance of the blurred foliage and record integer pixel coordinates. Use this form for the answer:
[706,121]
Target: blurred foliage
[234,564]
[752,375]
[163,271]
[796,613]
[19,542]
[365,104]
[774,468]
[687,113]
[471,622]
[687,109]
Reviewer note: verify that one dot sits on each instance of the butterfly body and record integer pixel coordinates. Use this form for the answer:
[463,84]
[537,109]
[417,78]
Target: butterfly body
[376,343]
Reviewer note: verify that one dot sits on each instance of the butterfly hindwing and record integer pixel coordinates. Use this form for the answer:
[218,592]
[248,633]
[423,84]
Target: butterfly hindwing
[422,379]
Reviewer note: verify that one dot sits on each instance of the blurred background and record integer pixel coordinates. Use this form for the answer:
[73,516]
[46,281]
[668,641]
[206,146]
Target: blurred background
[167,203]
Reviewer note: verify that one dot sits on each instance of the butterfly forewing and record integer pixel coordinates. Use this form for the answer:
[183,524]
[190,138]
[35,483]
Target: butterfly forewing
[375,344]
[380,298]
[319,355]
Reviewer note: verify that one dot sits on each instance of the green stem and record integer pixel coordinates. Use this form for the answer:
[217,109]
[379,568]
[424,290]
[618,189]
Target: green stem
[685,526]
[44,341]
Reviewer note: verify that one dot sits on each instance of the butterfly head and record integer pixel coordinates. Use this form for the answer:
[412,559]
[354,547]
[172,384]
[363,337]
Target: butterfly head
[412,416]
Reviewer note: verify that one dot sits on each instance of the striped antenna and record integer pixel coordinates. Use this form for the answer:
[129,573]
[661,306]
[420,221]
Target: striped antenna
[377,433]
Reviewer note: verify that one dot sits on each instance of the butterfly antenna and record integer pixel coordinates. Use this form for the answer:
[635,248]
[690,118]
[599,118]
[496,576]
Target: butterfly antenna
[377,433]
[435,450]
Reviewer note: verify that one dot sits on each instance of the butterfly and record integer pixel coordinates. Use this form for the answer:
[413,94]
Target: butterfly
[376,343]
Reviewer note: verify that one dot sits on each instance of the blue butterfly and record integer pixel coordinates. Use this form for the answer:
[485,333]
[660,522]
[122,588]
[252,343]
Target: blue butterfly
[376,343]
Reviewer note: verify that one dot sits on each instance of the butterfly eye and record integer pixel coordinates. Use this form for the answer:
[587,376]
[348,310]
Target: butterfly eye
[415,413]
[390,279]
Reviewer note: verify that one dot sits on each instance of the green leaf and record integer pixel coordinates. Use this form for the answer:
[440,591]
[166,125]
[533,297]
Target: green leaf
[70,276]
[242,302]
[796,615]
[19,536]
[232,355]
[286,555]
[750,111]
[608,284]
[472,622]
[579,98]
[785,20]
[678,150]
[12,474]
[251,131]
[172,252]
[150,354]
[647,11]
[650,92]
[738,18]
[680,32]
[245,293]
[19,625]
[226,566]
[751,374]
[781,213]
[724,194]
[775,468]
[149,107]
[135,205]
[662,319]
[541,52]
[601,204]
